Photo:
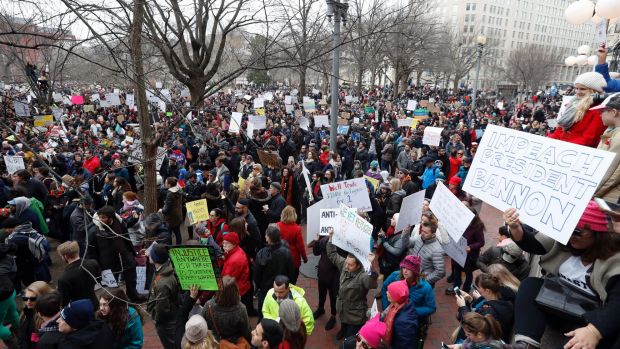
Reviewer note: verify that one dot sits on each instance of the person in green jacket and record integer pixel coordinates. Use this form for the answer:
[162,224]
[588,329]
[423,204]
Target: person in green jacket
[124,320]
[283,289]
[9,317]
[163,296]
[38,209]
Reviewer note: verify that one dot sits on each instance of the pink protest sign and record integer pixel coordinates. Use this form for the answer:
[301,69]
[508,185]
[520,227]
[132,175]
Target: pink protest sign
[77,99]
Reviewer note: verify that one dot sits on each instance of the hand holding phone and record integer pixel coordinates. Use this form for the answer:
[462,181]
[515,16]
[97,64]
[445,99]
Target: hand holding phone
[444,346]
[457,290]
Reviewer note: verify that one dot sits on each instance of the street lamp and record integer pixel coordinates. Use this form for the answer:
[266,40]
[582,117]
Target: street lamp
[337,10]
[481,40]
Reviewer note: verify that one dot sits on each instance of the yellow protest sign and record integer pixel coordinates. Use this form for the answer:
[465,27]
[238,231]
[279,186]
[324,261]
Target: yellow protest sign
[260,111]
[43,120]
[89,108]
[197,211]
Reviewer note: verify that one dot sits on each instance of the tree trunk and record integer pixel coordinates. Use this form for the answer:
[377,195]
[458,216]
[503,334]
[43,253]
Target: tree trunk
[325,84]
[302,81]
[196,93]
[149,147]
[360,77]
[396,81]
[456,83]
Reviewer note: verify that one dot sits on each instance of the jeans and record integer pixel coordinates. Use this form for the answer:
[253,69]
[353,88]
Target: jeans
[166,332]
[470,266]
[177,235]
[332,288]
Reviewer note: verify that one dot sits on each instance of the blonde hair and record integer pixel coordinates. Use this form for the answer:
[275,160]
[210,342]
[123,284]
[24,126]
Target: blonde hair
[395,185]
[504,276]
[583,105]
[288,215]
[209,342]
[39,288]
[69,248]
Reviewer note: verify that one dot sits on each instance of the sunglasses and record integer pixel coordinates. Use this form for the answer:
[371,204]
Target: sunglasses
[359,339]
[26,299]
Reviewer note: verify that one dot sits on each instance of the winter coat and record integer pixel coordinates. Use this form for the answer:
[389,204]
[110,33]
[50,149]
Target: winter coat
[92,164]
[271,261]
[387,153]
[164,294]
[609,189]
[25,214]
[403,160]
[431,253]
[405,327]
[291,233]
[613,85]
[586,132]
[276,206]
[393,204]
[133,337]
[132,223]
[79,223]
[228,323]
[455,164]
[327,272]
[110,248]
[429,176]
[49,336]
[462,174]
[161,233]
[475,241]
[96,335]
[76,283]
[421,295]
[173,207]
[351,302]
[502,311]
[26,332]
[394,249]
[271,308]
[493,255]
[236,265]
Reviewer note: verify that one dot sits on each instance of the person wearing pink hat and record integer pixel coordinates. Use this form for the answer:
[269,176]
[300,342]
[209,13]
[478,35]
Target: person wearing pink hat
[589,264]
[370,336]
[400,317]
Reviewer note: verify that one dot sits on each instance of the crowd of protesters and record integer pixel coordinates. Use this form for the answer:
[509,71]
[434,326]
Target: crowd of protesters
[82,186]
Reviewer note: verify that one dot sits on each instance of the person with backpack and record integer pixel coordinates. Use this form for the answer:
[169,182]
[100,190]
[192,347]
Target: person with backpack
[32,252]
[21,210]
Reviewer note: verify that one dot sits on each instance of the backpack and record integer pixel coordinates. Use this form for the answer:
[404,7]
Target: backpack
[38,245]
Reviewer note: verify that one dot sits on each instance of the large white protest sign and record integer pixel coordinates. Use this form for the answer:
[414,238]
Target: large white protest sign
[21,108]
[304,123]
[14,163]
[259,103]
[129,100]
[113,99]
[549,182]
[290,100]
[309,106]
[235,122]
[432,135]
[410,210]
[107,279]
[329,219]
[406,122]
[314,217]
[321,120]
[353,193]
[456,251]
[136,154]
[141,280]
[57,112]
[601,32]
[353,235]
[450,211]
[259,122]
[411,104]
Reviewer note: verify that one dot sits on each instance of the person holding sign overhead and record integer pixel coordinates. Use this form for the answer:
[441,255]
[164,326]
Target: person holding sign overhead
[578,123]
[589,266]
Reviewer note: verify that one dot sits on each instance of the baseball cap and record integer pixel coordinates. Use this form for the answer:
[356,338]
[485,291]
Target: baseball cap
[611,102]
[512,252]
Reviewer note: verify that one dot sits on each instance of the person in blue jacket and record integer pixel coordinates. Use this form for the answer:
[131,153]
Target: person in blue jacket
[400,318]
[613,85]
[430,173]
[420,291]
[124,321]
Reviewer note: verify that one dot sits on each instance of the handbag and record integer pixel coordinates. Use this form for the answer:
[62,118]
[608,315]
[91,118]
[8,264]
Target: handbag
[564,300]
[241,342]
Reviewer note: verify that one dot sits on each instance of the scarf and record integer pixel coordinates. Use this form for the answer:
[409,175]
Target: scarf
[388,316]
[568,118]
[130,205]
[287,187]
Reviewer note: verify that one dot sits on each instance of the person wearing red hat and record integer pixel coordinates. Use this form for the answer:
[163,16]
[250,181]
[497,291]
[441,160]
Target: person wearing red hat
[589,264]
[400,317]
[236,262]
[455,187]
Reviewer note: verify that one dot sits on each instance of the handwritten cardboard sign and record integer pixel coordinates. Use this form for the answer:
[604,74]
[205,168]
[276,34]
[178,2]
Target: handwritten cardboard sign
[195,265]
[269,159]
[353,234]
[549,182]
[450,211]
[329,219]
[410,210]
[432,135]
[14,163]
[352,192]
[197,211]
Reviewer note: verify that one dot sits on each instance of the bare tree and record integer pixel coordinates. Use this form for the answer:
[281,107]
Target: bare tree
[530,66]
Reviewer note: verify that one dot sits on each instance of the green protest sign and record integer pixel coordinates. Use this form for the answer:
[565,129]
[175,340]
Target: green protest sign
[169,114]
[195,265]
[369,110]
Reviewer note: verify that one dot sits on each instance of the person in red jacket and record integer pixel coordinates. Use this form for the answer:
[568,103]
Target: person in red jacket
[291,232]
[236,265]
[91,162]
[577,123]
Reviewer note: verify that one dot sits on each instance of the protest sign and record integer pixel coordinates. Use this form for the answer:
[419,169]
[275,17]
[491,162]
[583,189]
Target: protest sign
[450,211]
[197,211]
[259,122]
[314,216]
[432,135]
[269,159]
[309,106]
[411,104]
[329,219]
[113,99]
[304,123]
[456,251]
[405,122]
[375,182]
[57,97]
[353,193]
[141,280]
[104,104]
[424,103]
[77,99]
[43,120]
[601,32]
[240,107]
[420,112]
[135,155]
[88,108]
[289,108]
[410,211]
[21,108]
[433,109]
[259,103]
[549,182]
[343,129]
[348,99]
[342,121]
[14,163]
[260,111]
[95,97]
[107,279]
[356,120]
[353,234]
[195,265]
[235,122]
[320,121]
[290,100]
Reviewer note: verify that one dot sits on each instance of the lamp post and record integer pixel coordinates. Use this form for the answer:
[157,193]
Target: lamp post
[338,10]
[481,40]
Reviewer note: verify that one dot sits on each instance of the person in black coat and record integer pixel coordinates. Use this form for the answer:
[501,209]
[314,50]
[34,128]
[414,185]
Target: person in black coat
[77,281]
[34,188]
[328,280]
[271,261]
[277,203]
[48,307]
[80,328]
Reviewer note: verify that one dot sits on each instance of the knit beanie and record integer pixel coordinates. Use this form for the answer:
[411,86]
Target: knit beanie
[78,314]
[290,315]
[399,291]
[159,254]
[592,80]
[272,332]
[593,218]
[455,180]
[373,332]
[196,329]
[231,237]
[412,262]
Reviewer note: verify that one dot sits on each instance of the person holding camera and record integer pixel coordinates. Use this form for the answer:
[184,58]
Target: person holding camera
[613,85]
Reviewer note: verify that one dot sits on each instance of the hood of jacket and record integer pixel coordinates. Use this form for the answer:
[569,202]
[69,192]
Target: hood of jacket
[25,228]
[296,291]
[175,189]
[21,204]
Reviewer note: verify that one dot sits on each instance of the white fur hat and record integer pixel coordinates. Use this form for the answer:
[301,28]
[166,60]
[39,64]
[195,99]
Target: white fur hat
[592,80]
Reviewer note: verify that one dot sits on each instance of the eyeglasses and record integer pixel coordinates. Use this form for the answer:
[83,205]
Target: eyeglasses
[359,339]
[26,299]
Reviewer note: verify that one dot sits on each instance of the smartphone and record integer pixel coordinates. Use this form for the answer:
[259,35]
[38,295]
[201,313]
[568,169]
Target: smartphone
[444,346]
[457,290]
[473,287]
